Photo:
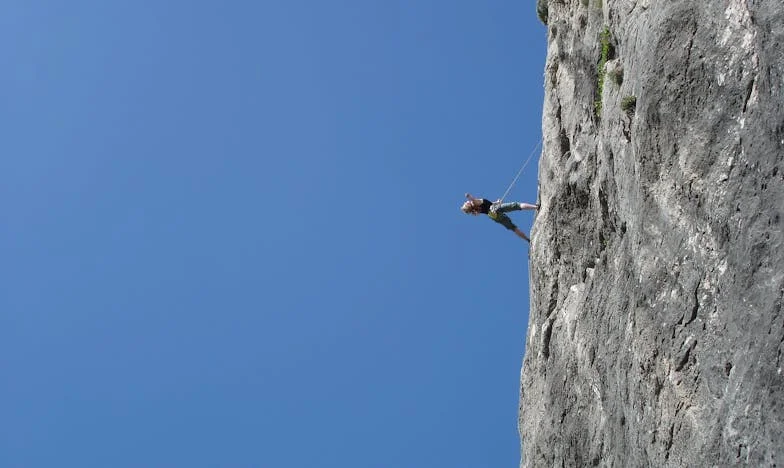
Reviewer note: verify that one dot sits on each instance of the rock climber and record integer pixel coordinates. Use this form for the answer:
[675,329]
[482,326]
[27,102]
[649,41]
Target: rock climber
[495,210]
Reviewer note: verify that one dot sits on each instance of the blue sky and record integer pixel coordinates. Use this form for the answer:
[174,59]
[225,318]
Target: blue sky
[231,233]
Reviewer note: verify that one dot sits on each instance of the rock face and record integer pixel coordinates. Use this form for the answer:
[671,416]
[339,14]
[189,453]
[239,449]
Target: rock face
[656,334]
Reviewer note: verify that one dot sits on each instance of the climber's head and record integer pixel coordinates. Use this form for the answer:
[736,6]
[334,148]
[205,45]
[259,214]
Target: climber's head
[469,208]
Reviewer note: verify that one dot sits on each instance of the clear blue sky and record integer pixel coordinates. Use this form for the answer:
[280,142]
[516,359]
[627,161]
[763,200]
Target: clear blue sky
[231,237]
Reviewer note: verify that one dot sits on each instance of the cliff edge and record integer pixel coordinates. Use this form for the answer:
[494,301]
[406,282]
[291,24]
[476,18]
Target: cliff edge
[656,334]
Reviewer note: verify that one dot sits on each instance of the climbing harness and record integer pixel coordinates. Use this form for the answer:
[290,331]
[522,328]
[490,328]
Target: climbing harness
[501,200]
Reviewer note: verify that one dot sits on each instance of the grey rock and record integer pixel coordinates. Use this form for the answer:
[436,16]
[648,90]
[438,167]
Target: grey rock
[656,334]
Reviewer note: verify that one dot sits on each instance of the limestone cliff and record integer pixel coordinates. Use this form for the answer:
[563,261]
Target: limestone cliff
[656,334]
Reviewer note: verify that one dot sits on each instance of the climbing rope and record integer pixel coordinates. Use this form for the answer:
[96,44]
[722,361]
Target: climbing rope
[501,200]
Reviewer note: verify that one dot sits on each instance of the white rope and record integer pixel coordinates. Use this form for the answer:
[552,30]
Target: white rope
[501,200]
